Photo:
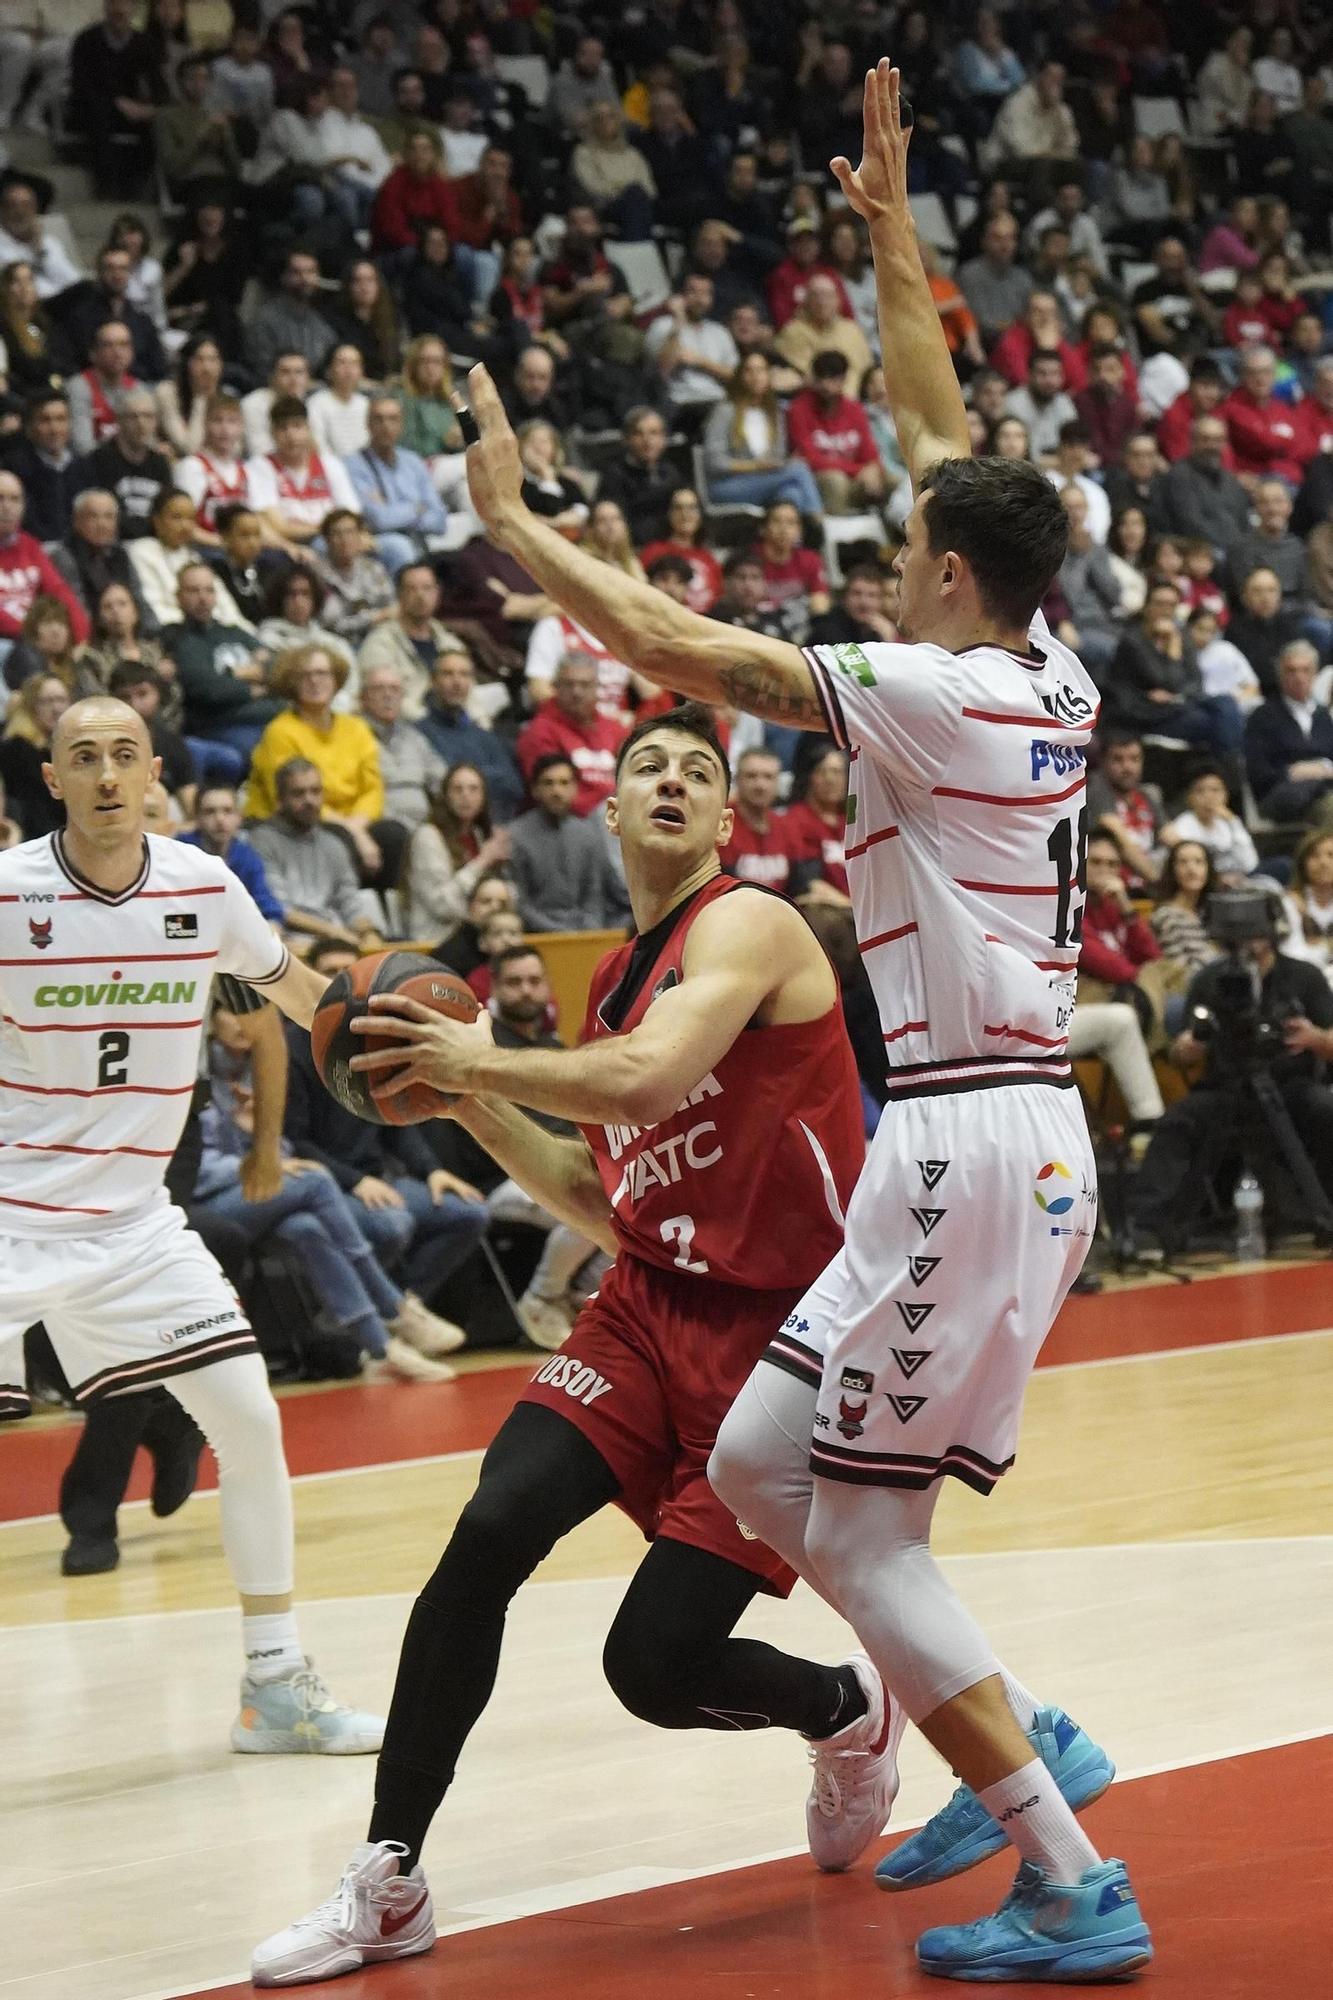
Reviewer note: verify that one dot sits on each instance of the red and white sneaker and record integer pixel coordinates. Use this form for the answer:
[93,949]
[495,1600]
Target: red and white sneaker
[374,1914]
[855,1778]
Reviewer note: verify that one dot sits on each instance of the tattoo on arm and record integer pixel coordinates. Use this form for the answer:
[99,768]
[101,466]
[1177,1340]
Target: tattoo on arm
[766,691]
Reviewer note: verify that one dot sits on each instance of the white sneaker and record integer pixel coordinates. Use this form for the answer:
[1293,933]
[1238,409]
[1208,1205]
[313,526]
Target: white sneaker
[297,1716]
[374,1914]
[855,1776]
[408,1364]
[426,1331]
[546,1322]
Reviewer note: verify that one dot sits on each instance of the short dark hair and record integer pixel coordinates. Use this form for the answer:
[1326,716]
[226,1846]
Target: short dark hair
[324,948]
[1004,517]
[287,410]
[215,785]
[1076,431]
[1205,369]
[225,516]
[690,718]
[1104,350]
[828,365]
[512,952]
[1044,354]
[741,559]
[669,565]
[554,760]
[1099,837]
[133,674]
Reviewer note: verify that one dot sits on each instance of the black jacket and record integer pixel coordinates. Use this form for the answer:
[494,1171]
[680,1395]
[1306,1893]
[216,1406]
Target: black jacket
[460,1152]
[319,1129]
[1138,666]
[81,309]
[1262,639]
[1293,986]
[643,495]
[1274,740]
[49,494]
[1204,503]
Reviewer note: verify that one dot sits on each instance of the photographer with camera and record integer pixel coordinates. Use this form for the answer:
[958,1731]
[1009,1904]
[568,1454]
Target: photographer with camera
[1262,1025]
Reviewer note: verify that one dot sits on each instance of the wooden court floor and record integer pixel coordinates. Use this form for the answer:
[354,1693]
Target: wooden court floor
[1160,1562]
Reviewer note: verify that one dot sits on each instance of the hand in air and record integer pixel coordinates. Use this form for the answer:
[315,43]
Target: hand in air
[877,189]
[494,468]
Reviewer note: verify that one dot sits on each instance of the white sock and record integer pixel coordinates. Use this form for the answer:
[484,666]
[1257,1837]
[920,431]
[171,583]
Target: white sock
[1020,1699]
[1040,1825]
[272,1645]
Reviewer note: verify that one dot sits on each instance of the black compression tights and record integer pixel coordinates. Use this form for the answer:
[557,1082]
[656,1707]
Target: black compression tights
[669,1656]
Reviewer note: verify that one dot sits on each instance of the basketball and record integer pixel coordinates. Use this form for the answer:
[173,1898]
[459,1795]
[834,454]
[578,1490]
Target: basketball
[333,1044]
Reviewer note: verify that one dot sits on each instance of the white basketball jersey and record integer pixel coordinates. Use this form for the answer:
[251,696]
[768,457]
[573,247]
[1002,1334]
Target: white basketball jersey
[966,836]
[104,1000]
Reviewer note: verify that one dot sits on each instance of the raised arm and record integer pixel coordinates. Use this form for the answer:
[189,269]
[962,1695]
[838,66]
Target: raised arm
[924,396]
[643,627]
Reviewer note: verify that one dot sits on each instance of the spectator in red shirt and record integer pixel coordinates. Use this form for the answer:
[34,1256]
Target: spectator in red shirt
[27,572]
[1106,409]
[830,430]
[413,194]
[1102,326]
[1313,417]
[482,209]
[1130,812]
[760,847]
[795,583]
[817,827]
[1245,322]
[1280,304]
[685,526]
[1117,943]
[1041,329]
[803,261]
[1262,429]
[571,724]
[1204,394]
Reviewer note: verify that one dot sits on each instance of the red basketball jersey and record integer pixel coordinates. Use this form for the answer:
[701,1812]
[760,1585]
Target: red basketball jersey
[747,1183]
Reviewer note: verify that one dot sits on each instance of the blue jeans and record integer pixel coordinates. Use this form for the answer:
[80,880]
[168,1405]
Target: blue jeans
[432,1238]
[1214,720]
[313,1216]
[216,763]
[395,550]
[793,481]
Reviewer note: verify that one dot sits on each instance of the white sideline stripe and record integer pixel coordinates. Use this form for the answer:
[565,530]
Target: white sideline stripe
[511,1909]
[1053,1368]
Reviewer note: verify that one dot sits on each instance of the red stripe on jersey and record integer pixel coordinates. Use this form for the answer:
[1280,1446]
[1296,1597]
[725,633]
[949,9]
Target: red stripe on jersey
[1012,889]
[1022,1035]
[994,799]
[1046,722]
[907,1028]
[90,1027]
[118,958]
[1038,964]
[107,1090]
[171,895]
[871,840]
[888,937]
[92,1152]
[50,1207]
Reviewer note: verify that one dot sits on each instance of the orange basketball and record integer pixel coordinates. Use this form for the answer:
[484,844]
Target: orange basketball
[333,1044]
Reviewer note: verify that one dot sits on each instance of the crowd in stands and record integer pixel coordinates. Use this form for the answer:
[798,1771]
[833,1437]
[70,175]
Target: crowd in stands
[232,483]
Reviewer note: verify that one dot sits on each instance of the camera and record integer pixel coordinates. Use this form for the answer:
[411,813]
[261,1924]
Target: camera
[1243,1033]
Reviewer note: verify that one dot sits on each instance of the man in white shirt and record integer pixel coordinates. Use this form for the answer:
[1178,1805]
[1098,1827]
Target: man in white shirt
[1043,404]
[1071,469]
[693,351]
[354,149]
[460,136]
[290,377]
[25,240]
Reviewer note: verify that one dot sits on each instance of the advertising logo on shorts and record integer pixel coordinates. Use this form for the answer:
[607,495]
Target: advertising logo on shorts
[1056,1193]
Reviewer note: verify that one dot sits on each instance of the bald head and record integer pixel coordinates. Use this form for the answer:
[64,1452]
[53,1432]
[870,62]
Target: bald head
[99,716]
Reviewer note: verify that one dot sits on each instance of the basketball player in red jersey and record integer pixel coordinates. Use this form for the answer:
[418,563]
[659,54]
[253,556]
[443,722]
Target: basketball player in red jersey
[722,1136]
[968,743]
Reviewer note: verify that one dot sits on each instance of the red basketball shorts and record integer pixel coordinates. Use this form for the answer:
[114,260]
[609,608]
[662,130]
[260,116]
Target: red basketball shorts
[652,1365]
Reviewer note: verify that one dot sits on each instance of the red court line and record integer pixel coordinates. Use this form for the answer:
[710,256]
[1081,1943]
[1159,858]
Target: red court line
[783,1931]
[357,1424]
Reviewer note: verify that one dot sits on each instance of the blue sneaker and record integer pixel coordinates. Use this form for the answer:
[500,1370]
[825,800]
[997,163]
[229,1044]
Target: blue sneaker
[297,1716]
[1043,1930]
[964,1833]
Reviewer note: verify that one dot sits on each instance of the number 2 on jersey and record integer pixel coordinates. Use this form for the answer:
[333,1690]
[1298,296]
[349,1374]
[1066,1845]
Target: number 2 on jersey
[113,1056]
[679,1229]
[1068,849]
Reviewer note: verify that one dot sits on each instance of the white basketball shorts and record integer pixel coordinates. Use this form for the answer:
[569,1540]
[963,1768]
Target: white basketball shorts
[124,1308]
[969,1224]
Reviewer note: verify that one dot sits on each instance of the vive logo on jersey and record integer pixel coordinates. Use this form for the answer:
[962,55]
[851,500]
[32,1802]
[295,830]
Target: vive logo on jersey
[909,1359]
[857,1378]
[182,926]
[1067,705]
[1057,760]
[850,660]
[914,1312]
[851,1418]
[126,993]
[39,934]
[920,1268]
[906,1407]
[928,1217]
[932,1173]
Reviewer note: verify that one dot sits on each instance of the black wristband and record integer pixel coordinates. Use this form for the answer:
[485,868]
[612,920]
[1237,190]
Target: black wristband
[467,423]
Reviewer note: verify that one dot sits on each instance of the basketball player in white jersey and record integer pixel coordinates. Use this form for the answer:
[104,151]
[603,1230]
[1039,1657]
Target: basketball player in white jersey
[109,940]
[908,1360]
